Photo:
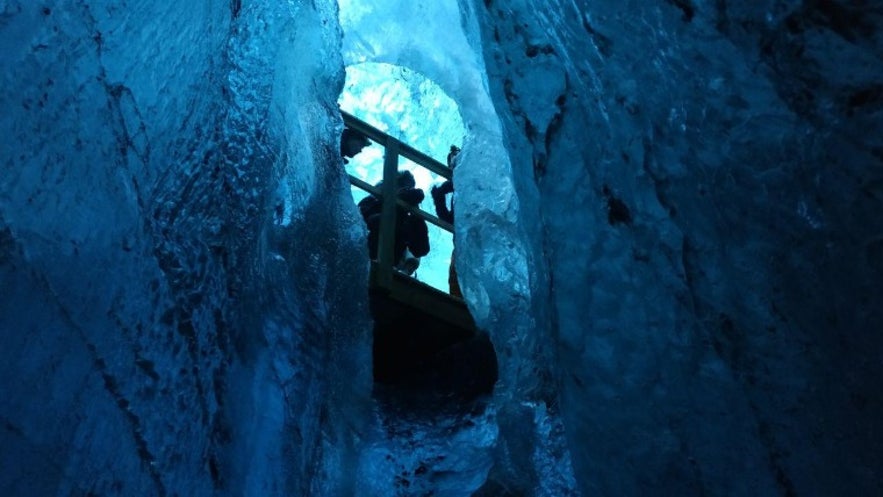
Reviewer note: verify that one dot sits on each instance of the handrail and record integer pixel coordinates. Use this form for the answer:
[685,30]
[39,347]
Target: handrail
[368,187]
[405,150]
[408,152]
[392,149]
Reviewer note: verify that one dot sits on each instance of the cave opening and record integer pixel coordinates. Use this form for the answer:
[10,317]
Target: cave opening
[414,110]
[435,420]
[424,338]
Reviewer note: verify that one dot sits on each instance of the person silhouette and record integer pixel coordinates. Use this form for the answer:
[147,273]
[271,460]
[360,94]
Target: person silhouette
[442,211]
[411,233]
[352,143]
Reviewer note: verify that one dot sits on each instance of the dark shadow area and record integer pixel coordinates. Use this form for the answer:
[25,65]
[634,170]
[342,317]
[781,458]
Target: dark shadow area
[425,341]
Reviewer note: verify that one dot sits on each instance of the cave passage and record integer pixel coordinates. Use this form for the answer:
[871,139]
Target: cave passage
[424,338]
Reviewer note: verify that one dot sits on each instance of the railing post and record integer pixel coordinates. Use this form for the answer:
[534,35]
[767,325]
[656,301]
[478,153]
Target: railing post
[386,240]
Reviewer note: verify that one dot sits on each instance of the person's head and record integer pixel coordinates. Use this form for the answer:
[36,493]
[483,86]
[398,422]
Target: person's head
[407,188]
[404,179]
[352,142]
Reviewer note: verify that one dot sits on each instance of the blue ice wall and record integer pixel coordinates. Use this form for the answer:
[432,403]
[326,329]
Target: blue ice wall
[174,224]
[709,186]
[668,223]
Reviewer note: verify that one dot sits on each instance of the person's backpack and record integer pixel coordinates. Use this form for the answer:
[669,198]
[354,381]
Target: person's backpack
[417,234]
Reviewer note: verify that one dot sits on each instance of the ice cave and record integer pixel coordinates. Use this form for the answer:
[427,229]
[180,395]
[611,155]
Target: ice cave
[668,241]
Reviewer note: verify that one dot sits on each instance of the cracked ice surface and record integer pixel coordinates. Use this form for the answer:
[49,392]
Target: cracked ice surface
[162,333]
[668,216]
[708,193]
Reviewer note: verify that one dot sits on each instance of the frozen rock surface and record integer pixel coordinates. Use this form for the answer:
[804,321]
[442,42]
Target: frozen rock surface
[174,235]
[709,185]
[668,221]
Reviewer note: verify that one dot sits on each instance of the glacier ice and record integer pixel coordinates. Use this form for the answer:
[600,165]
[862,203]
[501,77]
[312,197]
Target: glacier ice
[702,340]
[162,335]
[668,223]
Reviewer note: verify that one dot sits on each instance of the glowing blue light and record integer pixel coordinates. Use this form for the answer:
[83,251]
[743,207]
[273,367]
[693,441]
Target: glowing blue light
[415,110]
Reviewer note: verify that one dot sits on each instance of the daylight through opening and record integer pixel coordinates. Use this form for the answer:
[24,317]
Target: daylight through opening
[413,109]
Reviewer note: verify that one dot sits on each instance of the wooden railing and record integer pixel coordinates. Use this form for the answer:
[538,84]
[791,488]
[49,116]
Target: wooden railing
[392,149]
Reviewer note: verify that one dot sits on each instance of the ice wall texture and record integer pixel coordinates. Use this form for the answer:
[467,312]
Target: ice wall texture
[498,234]
[174,224]
[709,178]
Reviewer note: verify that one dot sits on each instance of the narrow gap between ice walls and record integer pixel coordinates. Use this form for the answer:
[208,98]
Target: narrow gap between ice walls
[433,432]
[433,373]
[513,440]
